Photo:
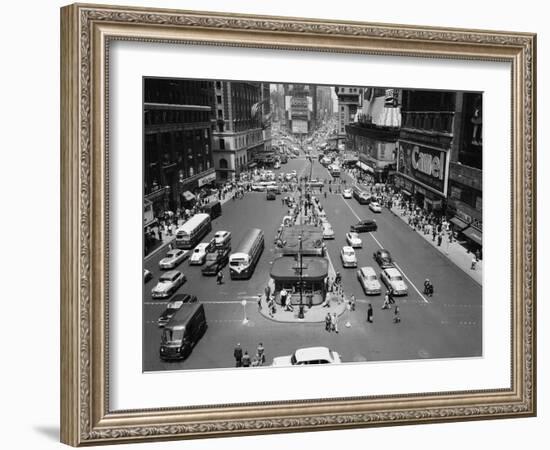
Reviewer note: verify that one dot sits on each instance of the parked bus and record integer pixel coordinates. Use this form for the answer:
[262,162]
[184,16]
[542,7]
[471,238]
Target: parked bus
[192,231]
[243,262]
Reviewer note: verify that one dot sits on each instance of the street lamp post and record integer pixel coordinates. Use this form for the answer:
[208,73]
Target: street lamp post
[301,308]
[245,319]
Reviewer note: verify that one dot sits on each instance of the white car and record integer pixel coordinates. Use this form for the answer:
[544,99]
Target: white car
[393,279]
[308,356]
[354,240]
[369,281]
[168,283]
[173,258]
[348,257]
[222,238]
[199,253]
[375,207]
[347,193]
[328,232]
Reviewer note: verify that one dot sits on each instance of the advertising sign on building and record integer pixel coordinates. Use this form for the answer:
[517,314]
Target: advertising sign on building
[207,179]
[299,126]
[425,165]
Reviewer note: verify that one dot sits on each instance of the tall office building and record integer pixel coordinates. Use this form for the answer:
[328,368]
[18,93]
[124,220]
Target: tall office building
[177,141]
[238,135]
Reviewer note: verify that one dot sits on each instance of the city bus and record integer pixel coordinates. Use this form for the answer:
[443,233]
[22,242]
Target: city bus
[192,231]
[334,171]
[243,262]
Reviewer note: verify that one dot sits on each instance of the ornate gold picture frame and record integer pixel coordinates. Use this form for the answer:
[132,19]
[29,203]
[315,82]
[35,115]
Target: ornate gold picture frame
[87,31]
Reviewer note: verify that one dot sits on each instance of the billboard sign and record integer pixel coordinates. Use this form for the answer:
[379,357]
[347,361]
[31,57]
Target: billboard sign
[425,165]
[299,126]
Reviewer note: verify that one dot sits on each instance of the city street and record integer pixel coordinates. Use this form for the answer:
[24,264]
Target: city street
[447,325]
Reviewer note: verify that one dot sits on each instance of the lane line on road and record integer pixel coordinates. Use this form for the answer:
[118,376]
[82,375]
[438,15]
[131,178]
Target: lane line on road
[207,302]
[381,246]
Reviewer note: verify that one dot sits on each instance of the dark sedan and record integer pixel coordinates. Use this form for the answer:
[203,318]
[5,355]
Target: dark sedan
[216,261]
[364,226]
[383,258]
[174,306]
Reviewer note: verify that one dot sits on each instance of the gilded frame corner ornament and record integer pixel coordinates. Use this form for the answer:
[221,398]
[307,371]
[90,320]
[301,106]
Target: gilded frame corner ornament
[86,31]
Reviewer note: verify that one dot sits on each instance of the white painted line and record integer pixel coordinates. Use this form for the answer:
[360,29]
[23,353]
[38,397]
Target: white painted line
[330,261]
[381,246]
[411,283]
[228,302]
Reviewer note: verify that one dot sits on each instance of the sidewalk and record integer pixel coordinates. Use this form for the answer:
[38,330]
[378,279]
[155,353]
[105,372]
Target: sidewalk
[454,251]
[167,238]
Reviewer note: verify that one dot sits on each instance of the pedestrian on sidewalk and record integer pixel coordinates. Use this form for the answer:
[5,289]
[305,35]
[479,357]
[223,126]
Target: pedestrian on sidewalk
[352,302]
[439,239]
[328,322]
[283,296]
[370,313]
[238,355]
[334,323]
[260,353]
[396,316]
[246,359]
[259,302]
[474,263]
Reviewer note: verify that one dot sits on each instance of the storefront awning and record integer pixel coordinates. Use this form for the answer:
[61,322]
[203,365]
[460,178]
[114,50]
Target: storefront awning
[458,222]
[252,165]
[404,191]
[474,235]
[188,196]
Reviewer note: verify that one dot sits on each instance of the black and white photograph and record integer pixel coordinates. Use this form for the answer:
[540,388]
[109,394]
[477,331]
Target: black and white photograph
[295,224]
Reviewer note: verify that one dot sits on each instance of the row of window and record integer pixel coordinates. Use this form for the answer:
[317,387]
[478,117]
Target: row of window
[190,92]
[160,117]
[224,164]
[466,195]
[241,141]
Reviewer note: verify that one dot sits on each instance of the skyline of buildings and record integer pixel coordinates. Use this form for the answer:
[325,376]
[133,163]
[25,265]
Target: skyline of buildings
[429,143]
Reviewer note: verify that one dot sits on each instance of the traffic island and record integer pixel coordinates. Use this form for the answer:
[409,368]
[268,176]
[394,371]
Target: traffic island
[315,314]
